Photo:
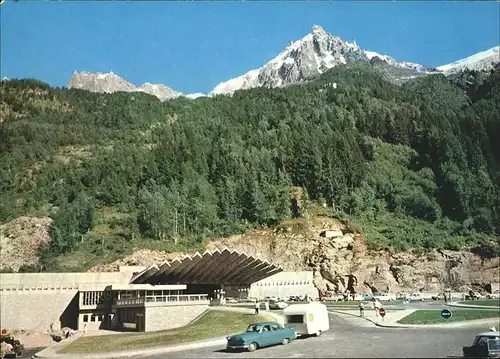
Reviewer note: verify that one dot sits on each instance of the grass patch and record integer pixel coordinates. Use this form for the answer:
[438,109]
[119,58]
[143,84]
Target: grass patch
[211,325]
[434,316]
[483,302]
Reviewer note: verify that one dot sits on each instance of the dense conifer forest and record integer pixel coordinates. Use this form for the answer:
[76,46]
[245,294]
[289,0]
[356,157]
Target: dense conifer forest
[411,167]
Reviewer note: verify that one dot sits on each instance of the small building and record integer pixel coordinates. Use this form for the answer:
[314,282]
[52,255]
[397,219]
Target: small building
[331,233]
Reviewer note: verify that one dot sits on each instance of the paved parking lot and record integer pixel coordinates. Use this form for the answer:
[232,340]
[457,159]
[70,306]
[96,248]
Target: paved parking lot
[355,337]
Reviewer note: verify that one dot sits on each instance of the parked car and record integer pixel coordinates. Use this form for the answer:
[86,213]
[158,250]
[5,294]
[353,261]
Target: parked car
[415,297]
[307,319]
[259,335]
[231,300]
[486,345]
[277,304]
[367,297]
[387,297]
[495,295]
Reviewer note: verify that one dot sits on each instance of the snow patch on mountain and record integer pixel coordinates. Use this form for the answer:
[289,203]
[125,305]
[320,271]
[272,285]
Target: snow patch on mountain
[243,82]
[481,61]
[403,64]
[194,96]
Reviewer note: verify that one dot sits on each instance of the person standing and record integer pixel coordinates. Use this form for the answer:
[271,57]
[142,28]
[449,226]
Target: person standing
[266,305]
[361,309]
[376,306]
[257,307]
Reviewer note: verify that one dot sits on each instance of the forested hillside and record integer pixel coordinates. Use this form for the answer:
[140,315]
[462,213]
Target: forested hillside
[416,166]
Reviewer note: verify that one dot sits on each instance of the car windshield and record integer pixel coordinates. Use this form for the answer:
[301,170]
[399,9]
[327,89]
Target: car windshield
[254,328]
[494,344]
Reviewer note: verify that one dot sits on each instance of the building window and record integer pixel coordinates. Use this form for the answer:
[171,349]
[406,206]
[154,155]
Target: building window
[99,318]
[92,318]
[85,318]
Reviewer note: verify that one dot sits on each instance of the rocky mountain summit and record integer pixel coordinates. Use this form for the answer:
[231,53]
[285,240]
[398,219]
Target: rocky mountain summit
[312,55]
[110,82]
[99,82]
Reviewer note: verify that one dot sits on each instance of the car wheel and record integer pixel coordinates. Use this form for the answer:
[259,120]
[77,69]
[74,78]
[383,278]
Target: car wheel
[252,347]
[318,333]
[285,341]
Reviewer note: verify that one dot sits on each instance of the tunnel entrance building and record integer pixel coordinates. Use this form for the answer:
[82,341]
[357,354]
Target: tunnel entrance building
[217,274]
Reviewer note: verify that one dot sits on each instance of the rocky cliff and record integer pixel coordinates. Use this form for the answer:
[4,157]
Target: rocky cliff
[341,261]
[110,82]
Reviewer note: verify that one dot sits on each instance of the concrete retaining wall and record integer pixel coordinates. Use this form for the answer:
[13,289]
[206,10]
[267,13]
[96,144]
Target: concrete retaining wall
[82,281]
[162,317]
[36,310]
[33,301]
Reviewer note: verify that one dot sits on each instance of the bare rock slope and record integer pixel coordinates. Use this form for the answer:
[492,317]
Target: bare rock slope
[341,261]
[20,240]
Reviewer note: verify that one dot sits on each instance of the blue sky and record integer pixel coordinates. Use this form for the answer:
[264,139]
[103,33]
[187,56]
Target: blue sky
[193,46]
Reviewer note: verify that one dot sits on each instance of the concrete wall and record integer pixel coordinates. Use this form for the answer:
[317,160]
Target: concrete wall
[285,284]
[89,281]
[33,301]
[166,317]
[36,310]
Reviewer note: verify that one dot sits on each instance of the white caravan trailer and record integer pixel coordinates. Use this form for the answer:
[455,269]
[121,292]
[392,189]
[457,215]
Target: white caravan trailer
[307,319]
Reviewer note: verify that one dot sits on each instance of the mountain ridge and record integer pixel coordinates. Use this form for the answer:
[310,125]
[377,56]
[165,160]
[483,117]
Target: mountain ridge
[302,59]
[110,82]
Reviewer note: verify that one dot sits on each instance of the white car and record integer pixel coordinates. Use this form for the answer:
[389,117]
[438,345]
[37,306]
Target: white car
[385,297]
[277,305]
[415,297]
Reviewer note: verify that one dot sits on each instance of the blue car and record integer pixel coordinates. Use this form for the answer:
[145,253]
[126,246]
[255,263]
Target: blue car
[259,335]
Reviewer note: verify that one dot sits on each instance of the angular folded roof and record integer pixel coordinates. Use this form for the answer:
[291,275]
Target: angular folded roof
[224,267]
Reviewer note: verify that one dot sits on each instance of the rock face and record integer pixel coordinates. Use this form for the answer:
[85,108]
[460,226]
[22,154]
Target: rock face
[312,55]
[110,82]
[340,261]
[161,91]
[20,239]
[99,82]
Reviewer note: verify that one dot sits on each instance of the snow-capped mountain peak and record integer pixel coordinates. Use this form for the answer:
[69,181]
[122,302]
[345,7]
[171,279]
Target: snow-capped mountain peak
[481,61]
[311,55]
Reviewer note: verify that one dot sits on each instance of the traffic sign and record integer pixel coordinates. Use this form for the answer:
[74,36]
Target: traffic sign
[446,314]
[381,311]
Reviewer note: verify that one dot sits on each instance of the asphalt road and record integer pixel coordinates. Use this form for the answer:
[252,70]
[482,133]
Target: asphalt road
[355,337]
[394,305]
